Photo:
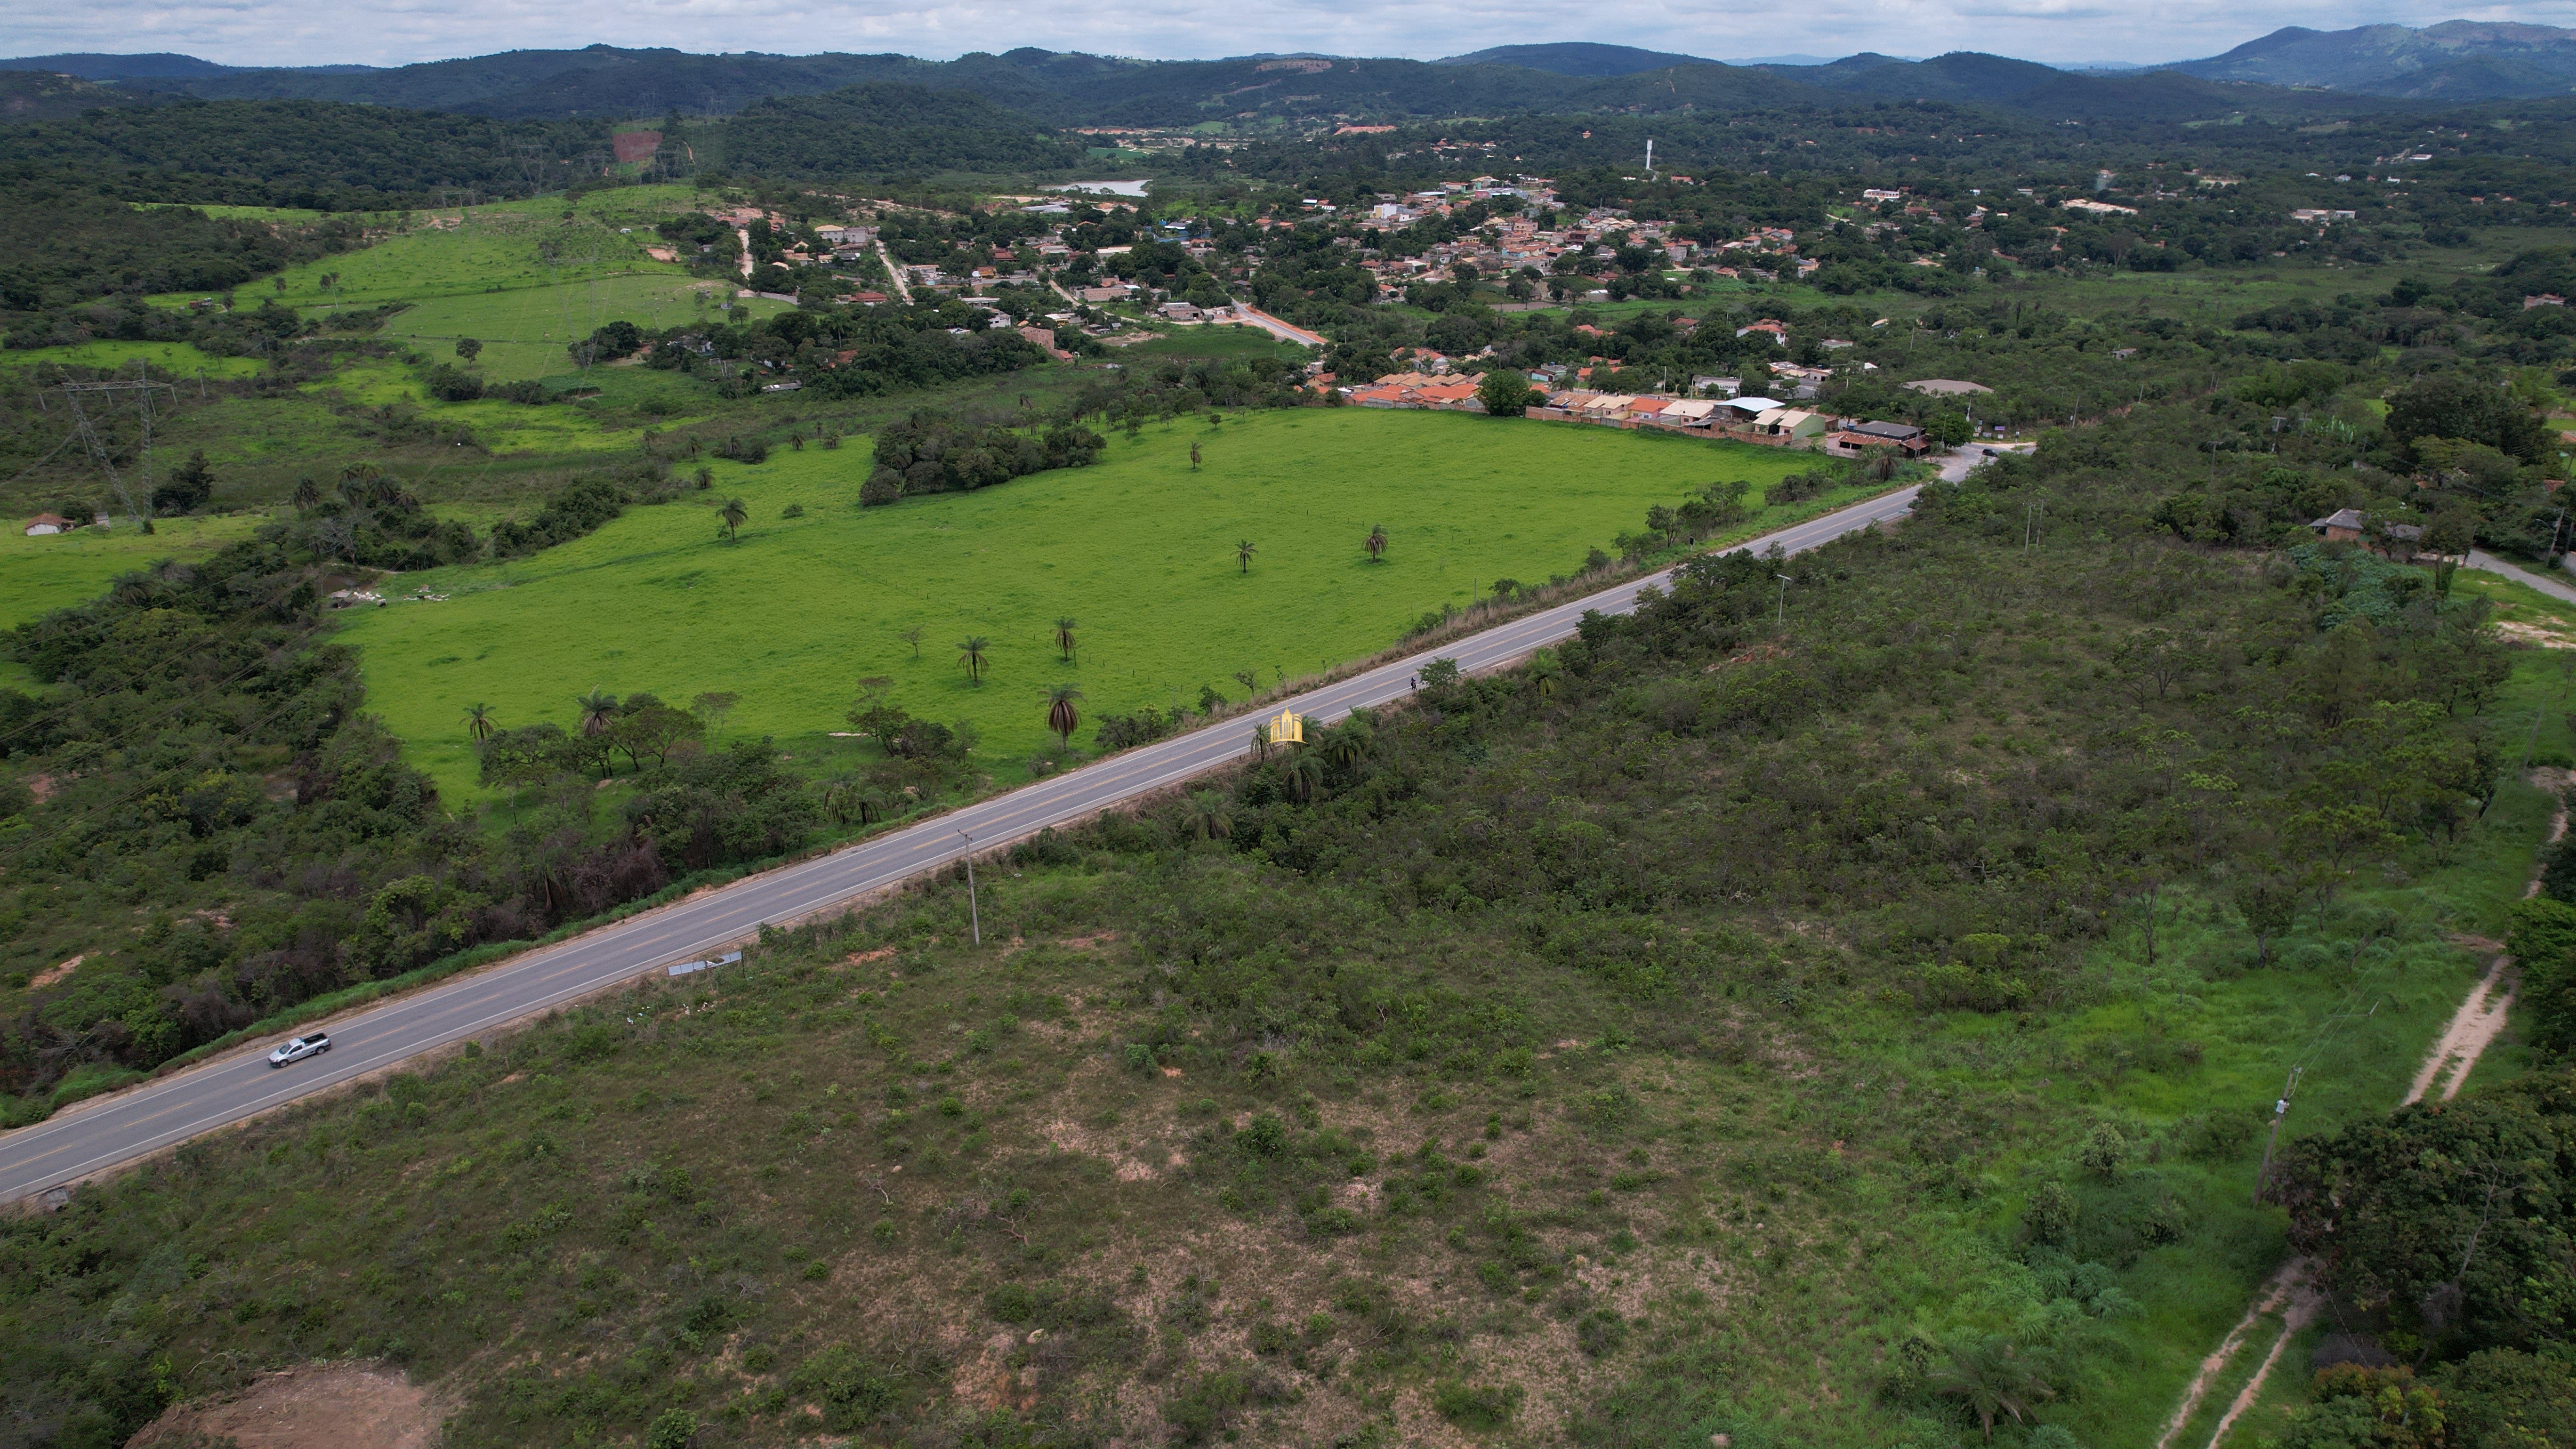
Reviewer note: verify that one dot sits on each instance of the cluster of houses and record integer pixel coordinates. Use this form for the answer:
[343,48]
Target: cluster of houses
[1516,241]
[1762,420]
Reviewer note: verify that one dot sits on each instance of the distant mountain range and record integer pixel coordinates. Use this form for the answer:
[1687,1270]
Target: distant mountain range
[2450,63]
[2457,60]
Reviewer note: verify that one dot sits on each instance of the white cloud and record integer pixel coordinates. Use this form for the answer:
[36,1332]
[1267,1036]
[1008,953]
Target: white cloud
[395,32]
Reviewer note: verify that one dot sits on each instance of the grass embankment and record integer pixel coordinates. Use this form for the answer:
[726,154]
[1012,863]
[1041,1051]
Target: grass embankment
[1139,549]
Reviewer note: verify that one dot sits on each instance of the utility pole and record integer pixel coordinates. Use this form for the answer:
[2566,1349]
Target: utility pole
[974,912]
[2280,1110]
[1785,582]
[143,388]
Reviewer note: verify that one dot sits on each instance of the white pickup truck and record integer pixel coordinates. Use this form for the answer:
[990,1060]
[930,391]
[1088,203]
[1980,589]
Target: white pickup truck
[298,1048]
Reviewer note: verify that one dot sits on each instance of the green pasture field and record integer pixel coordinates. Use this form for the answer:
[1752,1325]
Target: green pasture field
[176,361]
[1232,342]
[1139,548]
[278,215]
[525,330]
[471,250]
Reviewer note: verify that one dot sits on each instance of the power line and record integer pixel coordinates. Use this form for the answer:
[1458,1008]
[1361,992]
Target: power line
[143,387]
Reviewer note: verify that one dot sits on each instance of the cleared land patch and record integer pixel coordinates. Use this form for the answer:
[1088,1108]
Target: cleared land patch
[1140,550]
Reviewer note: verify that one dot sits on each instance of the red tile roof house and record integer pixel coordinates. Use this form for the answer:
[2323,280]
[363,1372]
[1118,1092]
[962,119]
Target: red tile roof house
[1455,397]
[1779,332]
[44,524]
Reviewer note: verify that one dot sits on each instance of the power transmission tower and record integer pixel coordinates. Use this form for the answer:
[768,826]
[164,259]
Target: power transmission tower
[143,387]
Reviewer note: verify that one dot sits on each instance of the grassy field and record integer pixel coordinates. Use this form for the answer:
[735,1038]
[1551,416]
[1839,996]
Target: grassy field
[177,361]
[1140,549]
[524,330]
[42,574]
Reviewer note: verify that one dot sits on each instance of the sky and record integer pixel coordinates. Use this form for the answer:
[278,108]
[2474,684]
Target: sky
[398,32]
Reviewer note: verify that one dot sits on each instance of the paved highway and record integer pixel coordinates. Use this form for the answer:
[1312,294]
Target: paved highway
[120,1128]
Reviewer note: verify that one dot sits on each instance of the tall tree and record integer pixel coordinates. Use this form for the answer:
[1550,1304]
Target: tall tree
[970,652]
[715,704]
[1062,717]
[1243,552]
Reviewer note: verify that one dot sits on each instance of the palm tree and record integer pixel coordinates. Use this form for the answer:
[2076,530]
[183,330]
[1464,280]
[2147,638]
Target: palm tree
[308,494]
[1261,741]
[1305,777]
[911,636]
[1062,717]
[1544,668]
[1243,552]
[1376,544]
[840,799]
[847,798]
[1350,745]
[478,722]
[598,711]
[1194,457]
[970,652]
[734,516]
[1208,820]
[1988,1378]
[1064,638]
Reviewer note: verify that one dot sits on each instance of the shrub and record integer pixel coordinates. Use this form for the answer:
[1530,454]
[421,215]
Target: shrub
[847,1386]
[1214,1401]
[1477,1407]
[1264,1136]
[2051,1215]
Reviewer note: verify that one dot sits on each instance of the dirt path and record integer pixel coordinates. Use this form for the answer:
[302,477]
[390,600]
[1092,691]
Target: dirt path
[2275,1293]
[2297,1313]
[2472,1029]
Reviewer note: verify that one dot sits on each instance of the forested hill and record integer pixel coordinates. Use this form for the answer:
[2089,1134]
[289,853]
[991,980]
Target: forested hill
[886,128]
[320,154]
